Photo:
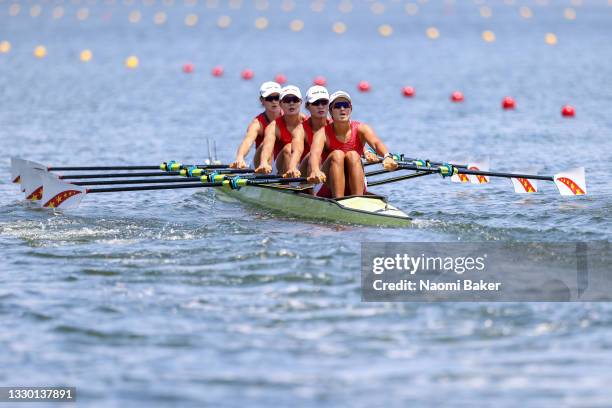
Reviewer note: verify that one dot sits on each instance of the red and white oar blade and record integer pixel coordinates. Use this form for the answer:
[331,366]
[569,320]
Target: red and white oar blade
[482,165]
[523,185]
[571,182]
[460,178]
[32,183]
[16,166]
[58,193]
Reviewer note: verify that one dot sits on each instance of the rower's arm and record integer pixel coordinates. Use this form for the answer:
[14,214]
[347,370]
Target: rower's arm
[374,141]
[297,146]
[250,137]
[268,143]
[316,149]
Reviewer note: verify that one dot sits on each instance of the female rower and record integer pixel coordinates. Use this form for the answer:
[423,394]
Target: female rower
[269,95]
[342,171]
[277,136]
[317,99]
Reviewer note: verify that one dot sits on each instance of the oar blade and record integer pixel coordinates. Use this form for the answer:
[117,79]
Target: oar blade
[16,166]
[571,182]
[482,165]
[32,183]
[524,186]
[57,193]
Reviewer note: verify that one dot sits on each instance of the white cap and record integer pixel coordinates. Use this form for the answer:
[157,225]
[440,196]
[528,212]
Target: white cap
[290,90]
[315,93]
[339,94]
[269,88]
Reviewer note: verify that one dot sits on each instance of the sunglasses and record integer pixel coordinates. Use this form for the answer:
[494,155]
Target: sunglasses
[340,105]
[272,98]
[291,99]
[320,102]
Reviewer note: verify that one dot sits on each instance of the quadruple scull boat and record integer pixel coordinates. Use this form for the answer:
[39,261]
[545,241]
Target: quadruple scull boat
[51,190]
[369,209]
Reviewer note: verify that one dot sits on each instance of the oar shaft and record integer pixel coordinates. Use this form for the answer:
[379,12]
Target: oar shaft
[461,166]
[136,181]
[507,175]
[146,188]
[407,166]
[120,175]
[97,168]
[158,180]
[271,180]
[398,178]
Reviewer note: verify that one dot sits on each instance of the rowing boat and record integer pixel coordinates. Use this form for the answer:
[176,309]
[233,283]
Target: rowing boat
[369,209]
[51,190]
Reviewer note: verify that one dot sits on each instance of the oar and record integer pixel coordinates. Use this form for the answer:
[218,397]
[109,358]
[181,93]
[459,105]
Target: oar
[570,182]
[17,164]
[204,178]
[398,178]
[399,157]
[57,193]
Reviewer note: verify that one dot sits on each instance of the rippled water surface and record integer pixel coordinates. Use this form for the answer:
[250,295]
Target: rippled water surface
[177,298]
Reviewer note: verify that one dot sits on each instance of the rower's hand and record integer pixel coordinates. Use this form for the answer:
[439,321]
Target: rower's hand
[316,177]
[294,172]
[371,157]
[238,164]
[264,168]
[389,164]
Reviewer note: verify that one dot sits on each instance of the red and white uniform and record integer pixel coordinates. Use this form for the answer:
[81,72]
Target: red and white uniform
[263,120]
[309,133]
[285,136]
[352,144]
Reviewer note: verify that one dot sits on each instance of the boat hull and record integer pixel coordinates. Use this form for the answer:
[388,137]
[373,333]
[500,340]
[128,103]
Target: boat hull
[363,210]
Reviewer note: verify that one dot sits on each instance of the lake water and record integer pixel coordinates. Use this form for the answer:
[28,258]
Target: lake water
[176,298]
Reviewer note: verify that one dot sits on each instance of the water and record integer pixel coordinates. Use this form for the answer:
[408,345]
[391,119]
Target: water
[177,298]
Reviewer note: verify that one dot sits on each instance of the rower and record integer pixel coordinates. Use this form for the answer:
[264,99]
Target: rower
[317,99]
[344,139]
[269,95]
[277,136]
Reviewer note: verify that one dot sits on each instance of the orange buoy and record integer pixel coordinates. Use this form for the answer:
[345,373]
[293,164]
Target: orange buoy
[247,74]
[408,91]
[568,111]
[217,71]
[188,68]
[280,79]
[508,103]
[363,86]
[320,80]
[457,96]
